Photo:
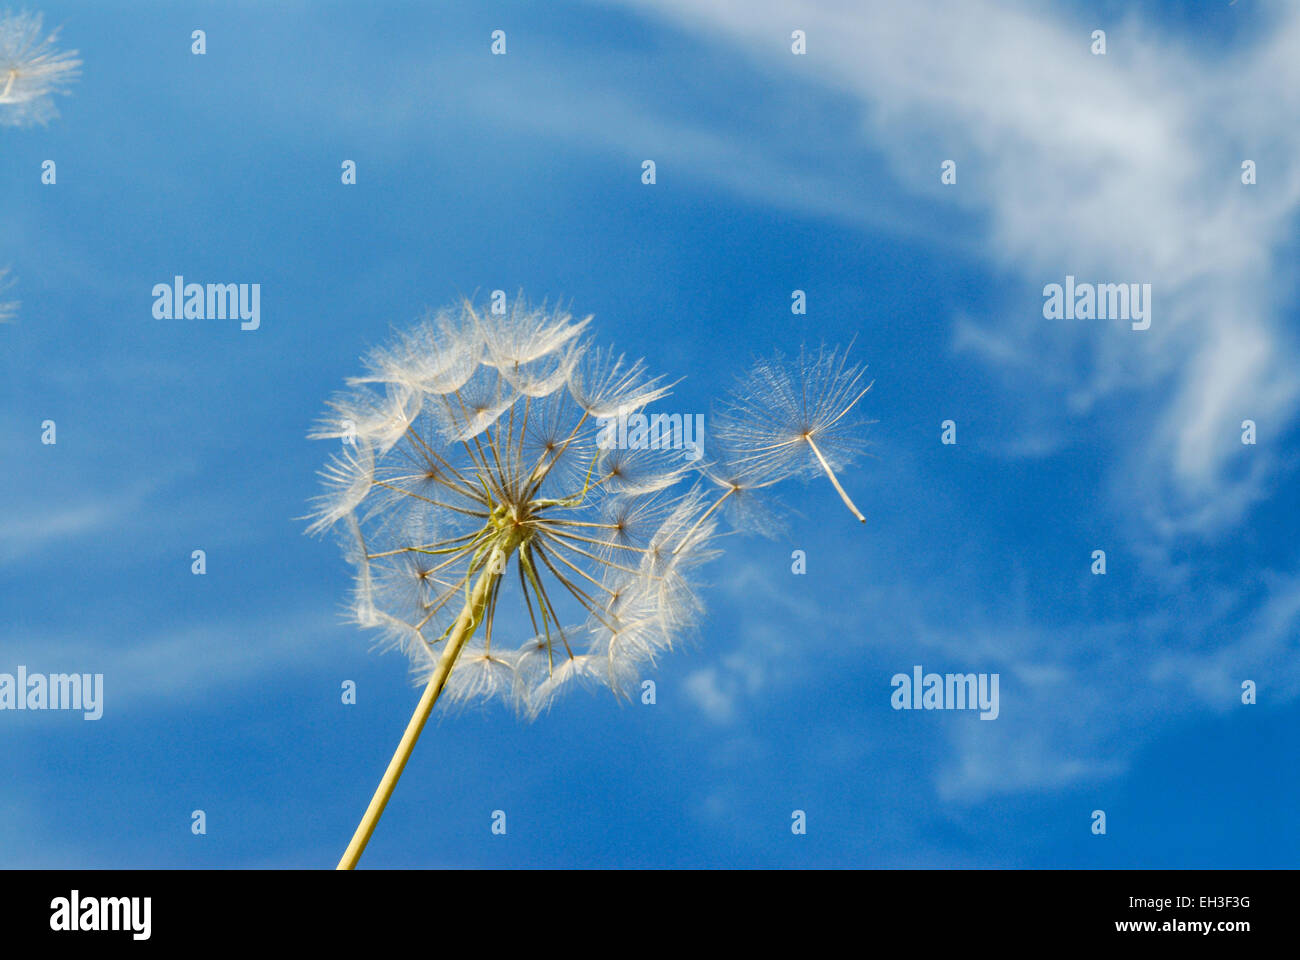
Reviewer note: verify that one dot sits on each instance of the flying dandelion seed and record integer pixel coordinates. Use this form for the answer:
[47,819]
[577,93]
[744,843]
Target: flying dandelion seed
[31,70]
[473,494]
[794,418]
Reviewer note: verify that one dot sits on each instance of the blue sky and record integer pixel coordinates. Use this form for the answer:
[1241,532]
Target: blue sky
[774,173]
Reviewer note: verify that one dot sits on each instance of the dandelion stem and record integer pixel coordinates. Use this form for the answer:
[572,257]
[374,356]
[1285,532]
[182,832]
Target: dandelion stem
[470,617]
[838,489]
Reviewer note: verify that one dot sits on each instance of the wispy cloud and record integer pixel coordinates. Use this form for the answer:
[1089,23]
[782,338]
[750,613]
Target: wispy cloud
[1116,168]
[182,663]
[67,509]
[1080,698]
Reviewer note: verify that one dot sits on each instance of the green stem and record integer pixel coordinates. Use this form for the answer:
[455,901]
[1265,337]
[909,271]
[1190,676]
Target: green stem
[471,615]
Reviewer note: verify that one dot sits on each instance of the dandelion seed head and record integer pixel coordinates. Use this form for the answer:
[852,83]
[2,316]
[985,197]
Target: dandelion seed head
[796,416]
[480,497]
[481,676]
[537,656]
[471,463]
[532,348]
[484,469]
[604,384]
[436,356]
[782,403]
[585,671]
[31,70]
[638,471]
[748,503]
[347,478]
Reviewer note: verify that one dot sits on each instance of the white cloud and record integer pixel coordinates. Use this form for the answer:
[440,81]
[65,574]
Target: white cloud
[1116,168]
[1122,168]
[183,663]
[40,524]
[707,692]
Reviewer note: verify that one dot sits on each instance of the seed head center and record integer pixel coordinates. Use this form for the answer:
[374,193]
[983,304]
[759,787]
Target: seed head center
[510,525]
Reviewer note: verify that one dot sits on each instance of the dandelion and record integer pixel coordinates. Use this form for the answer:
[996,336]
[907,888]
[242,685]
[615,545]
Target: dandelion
[500,541]
[470,480]
[31,70]
[793,418]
